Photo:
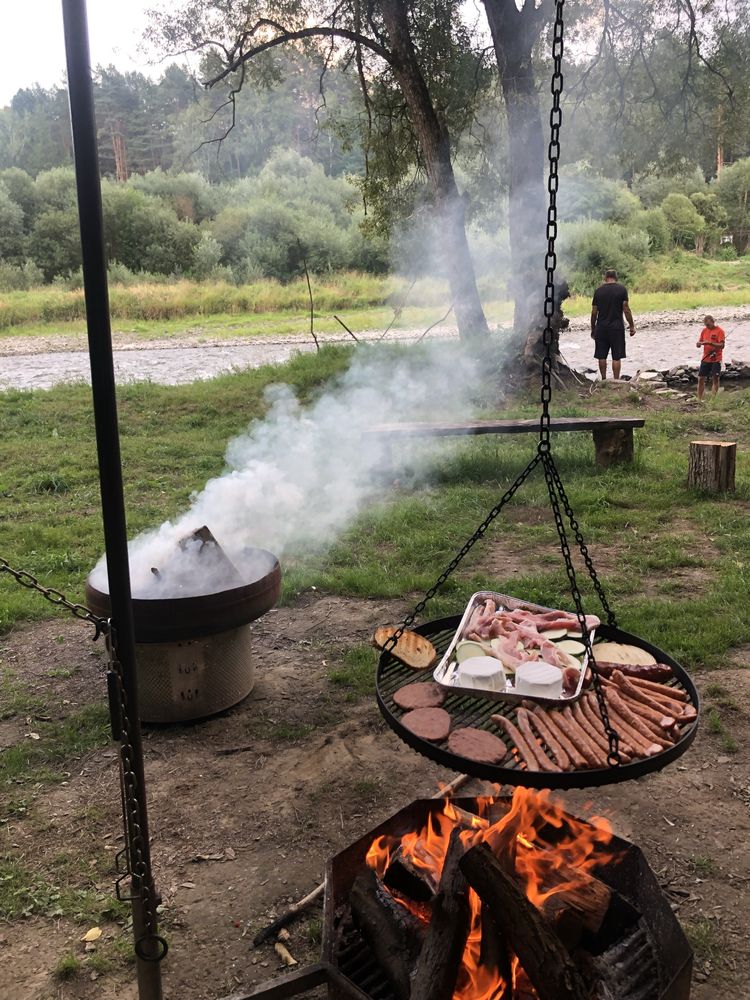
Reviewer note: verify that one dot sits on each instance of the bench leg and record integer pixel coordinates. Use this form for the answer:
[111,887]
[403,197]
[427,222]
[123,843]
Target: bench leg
[613,445]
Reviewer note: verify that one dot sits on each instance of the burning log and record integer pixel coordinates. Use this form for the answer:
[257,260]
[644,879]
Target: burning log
[443,949]
[409,879]
[392,933]
[493,953]
[543,957]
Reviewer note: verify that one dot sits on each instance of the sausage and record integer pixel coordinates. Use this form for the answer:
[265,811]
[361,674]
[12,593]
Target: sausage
[527,754]
[595,732]
[590,710]
[547,733]
[522,716]
[640,726]
[649,710]
[677,694]
[643,746]
[593,754]
[682,710]
[651,671]
[544,717]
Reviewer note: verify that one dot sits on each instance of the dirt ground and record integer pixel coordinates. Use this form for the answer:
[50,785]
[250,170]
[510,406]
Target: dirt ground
[238,836]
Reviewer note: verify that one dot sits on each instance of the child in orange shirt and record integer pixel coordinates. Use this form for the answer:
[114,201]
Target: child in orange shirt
[712,340]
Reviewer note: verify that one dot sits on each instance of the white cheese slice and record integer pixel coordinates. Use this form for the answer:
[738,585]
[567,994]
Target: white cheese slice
[539,680]
[484,673]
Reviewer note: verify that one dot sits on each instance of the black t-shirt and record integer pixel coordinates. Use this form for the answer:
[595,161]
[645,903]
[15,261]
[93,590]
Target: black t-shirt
[609,299]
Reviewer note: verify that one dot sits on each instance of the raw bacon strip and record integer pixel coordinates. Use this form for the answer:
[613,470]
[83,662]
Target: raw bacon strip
[547,734]
[542,759]
[550,719]
[527,754]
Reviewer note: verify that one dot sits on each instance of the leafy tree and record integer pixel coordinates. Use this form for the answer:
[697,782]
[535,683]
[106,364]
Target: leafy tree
[732,188]
[11,228]
[22,191]
[714,216]
[55,242]
[56,189]
[404,38]
[144,234]
[686,224]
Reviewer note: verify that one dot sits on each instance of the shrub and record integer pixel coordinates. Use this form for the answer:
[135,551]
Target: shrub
[584,195]
[654,222]
[11,228]
[20,277]
[653,190]
[144,234]
[55,242]
[686,224]
[726,252]
[587,249]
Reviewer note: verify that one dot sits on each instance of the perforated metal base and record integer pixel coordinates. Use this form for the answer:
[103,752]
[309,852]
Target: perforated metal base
[194,678]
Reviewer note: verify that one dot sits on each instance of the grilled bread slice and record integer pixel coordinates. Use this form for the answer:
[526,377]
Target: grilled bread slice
[412,649]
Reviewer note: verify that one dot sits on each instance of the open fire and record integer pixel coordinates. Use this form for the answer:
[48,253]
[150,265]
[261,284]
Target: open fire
[502,899]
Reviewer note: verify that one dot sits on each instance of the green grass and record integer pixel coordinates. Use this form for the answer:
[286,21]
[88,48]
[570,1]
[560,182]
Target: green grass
[206,310]
[68,967]
[693,550]
[355,673]
[59,742]
[717,727]
[704,938]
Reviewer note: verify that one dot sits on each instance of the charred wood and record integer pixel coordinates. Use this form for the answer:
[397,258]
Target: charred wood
[407,878]
[443,949]
[545,960]
[391,932]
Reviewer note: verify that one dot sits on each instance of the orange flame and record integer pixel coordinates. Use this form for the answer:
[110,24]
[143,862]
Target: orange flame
[554,853]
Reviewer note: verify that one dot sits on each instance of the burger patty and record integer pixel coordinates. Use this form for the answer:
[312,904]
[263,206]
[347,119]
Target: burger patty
[478,745]
[420,695]
[428,723]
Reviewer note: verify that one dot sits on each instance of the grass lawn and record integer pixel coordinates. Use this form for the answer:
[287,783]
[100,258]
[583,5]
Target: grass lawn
[675,564]
[363,302]
[642,520]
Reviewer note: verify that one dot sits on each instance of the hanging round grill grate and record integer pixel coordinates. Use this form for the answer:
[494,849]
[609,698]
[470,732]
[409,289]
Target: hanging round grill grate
[475,711]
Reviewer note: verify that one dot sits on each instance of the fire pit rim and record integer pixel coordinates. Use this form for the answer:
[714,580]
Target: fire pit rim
[176,619]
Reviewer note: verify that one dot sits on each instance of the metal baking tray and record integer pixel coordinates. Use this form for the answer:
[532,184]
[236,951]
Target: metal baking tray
[445,674]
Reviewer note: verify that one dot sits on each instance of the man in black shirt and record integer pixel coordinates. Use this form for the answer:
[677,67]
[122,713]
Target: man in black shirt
[609,306]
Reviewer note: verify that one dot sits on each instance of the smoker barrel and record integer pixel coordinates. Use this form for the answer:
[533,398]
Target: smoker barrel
[193,653]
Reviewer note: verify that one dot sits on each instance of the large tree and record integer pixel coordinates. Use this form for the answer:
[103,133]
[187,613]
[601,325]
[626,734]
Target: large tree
[395,34]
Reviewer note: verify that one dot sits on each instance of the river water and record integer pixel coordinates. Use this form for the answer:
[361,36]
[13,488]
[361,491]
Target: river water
[661,342]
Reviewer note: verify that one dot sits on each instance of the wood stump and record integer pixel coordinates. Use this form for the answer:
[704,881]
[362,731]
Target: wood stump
[613,445]
[711,466]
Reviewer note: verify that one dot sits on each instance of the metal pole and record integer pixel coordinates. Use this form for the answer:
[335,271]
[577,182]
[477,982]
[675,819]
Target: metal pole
[148,946]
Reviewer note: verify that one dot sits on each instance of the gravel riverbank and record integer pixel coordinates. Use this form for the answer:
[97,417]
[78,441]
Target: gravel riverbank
[662,340]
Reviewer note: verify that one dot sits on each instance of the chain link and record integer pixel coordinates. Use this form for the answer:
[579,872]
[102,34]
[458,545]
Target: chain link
[137,865]
[80,611]
[467,546]
[550,260]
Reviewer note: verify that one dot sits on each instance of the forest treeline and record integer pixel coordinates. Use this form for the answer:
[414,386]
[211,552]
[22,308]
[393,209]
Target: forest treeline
[298,182]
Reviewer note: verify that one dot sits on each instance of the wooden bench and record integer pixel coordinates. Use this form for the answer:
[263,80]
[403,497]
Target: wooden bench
[613,436]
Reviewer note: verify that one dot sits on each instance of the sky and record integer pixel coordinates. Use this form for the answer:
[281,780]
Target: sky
[32,48]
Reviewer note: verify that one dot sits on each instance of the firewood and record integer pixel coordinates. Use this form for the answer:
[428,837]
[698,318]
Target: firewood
[493,953]
[388,928]
[443,949]
[545,960]
[407,878]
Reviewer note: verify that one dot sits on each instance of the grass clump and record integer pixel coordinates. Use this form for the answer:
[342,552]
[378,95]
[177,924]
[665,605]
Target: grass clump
[68,967]
[355,675]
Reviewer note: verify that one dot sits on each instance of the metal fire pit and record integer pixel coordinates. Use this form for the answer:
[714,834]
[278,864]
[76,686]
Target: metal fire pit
[193,653]
[651,960]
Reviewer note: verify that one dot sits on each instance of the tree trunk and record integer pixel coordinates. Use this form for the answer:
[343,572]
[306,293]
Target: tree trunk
[435,145]
[711,466]
[514,33]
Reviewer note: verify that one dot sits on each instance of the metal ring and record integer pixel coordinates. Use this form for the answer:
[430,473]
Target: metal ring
[140,951]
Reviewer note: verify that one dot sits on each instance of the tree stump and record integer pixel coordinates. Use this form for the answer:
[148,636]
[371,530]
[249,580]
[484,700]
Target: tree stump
[613,445]
[711,466]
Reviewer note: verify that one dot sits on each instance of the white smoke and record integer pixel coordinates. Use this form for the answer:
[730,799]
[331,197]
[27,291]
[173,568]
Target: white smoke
[298,477]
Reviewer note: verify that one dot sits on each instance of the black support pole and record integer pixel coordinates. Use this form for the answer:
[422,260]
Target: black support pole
[148,946]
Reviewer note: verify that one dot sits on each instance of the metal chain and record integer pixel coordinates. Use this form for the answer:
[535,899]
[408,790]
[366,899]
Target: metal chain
[551,476]
[80,611]
[479,533]
[137,865]
[553,156]
[611,618]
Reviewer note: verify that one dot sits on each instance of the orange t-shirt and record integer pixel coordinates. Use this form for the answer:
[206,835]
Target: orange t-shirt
[713,343]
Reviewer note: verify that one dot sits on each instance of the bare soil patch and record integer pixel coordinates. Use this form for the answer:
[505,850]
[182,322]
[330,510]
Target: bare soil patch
[238,836]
